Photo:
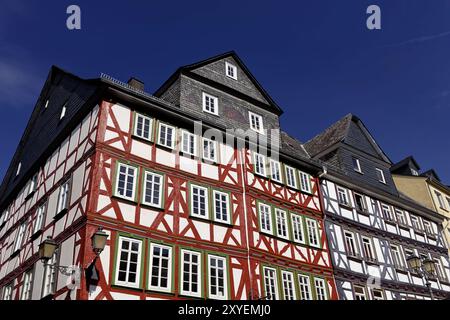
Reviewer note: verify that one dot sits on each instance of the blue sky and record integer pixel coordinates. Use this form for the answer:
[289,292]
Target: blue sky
[316,58]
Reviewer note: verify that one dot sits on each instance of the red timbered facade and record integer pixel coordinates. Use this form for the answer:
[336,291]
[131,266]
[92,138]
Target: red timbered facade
[188,215]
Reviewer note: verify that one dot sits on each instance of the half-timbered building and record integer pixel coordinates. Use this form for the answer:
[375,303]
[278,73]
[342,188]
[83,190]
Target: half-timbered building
[194,204]
[373,229]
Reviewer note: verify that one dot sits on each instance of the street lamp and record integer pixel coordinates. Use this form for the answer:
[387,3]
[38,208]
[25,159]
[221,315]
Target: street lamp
[49,246]
[99,240]
[425,268]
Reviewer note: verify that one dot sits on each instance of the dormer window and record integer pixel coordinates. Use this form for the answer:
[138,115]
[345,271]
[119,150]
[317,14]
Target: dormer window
[380,175]
[356,165]
[46,104]
[231,70]
[414,172]
[19,166]
[256,122]
[210,104]
[63,111]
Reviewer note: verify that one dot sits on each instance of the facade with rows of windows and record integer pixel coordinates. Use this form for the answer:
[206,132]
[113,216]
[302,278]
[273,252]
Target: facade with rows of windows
[200,194]
[372,228]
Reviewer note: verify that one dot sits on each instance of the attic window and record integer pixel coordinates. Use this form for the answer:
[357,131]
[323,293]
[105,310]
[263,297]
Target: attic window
[256,122]
[210,104]
[46,104]
[380,175]
[414,172]
[18,168]
[356,165]
[63,111]
[231,70]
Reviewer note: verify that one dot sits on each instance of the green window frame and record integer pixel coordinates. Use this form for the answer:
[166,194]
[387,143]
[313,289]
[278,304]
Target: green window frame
[123,263]
[116,185]
[153,181]
[156,265]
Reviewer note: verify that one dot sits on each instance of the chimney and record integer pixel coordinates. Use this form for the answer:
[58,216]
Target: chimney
[136,83]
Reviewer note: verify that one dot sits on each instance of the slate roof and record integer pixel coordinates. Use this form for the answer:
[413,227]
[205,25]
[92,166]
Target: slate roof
[332,135]
[405,162]
[45,125]
[340,132]
[292,146]
[273,106]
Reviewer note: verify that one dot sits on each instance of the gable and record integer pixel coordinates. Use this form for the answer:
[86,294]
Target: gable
[357,139]
[215,71]
[211,72]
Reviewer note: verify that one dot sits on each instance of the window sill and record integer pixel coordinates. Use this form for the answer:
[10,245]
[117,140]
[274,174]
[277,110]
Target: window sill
[36,234]
[355,258]
[345,206]
[15,253]
[390,221]
[431,236]
[401,269]
[151,206]
[362,212]
[403,226]
[420,232]
[148,141]
[49,296]
[30,195]
[60,214]
[371,261]
[130,201]
[171,149]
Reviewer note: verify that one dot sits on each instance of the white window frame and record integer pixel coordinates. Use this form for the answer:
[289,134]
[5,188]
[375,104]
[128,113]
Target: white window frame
[63,111]
[40,217]
[281,221]
[259,159]
[428,227]
[169,259]
[189,292]
[269,276]
[363,202]
[321,289]
[135,178]
[150,126]
[359,294]
[342,191]
[257,118]
[209,145]
[397,256]
[377,290]
[218,296]
[355,161]
[387,212]
[288,285]
[416,226]
[400,216]
[152,202]
[27,285]
[297,228]
[19,166]
[312,227]
[305,182]
[206,197]
[207,108]
[304,287]
[7,292]
[20,236]
[127,283]
[50,276]
[33,184]
[275,170]
[227,204]
[294,183]
[268,230]
[368,250]
[233,68]
[383,178]
[349,237]
[188,140]
[440,199]
[174,135]
[63,197]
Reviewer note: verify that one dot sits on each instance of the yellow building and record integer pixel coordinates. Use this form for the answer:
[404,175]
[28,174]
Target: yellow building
[426,189]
